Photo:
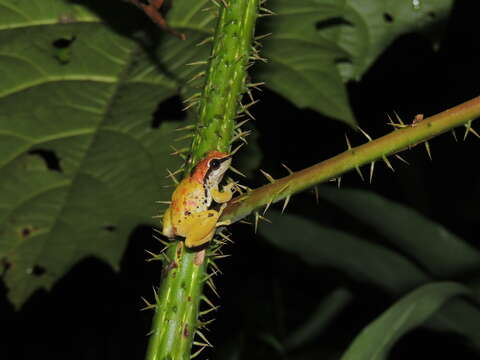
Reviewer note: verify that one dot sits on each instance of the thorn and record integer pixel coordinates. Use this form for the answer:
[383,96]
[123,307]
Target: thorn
[364,133]
[238,172]
[469,128]
[204,298]
[205,312]
[198,351]
[372,167]
[359,172]
[195,63]
[256,85]
[205,41]
[315,190]
[154,256]
[204,324]
[200,334]
[225,237]
[339,181]
[221,256]
[348,142]
[193,103]
[214,265]
[266,11]
[241,135]
[454,135]
[256,222]
[268,176]
[267,206]
[188,136]
[394,124]
[427,147]
[188,127]
[285,203]
[148,305]
[399,119]
[163,202]
[241,123]
[172,175]
[260,37]
[402,159]
[387,162]
[195,77]
[155,294]
[288,169]
[179,152]
[236,149]
[212,287]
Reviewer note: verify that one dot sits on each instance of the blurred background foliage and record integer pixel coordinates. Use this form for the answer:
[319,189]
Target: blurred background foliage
[89,99]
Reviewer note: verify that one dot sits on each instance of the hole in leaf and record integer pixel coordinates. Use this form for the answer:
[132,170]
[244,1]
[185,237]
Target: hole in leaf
[38,270]
[387,17]
[169,110]
[63,51]
[63,43]
[110,228]
[335,21]
[50,157]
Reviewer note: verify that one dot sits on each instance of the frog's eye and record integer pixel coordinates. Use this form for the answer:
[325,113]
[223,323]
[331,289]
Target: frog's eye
[215,164]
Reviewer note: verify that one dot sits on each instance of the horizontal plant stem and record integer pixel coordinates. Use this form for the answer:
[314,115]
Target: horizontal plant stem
[394,142]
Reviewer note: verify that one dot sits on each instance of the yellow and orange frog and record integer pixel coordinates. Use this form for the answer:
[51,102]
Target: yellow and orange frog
[189,215]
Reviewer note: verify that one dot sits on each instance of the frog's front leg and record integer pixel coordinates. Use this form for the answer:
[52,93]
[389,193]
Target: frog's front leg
[225,195]
[200,227]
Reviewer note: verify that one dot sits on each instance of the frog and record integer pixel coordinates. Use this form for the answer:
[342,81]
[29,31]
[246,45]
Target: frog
[189,214]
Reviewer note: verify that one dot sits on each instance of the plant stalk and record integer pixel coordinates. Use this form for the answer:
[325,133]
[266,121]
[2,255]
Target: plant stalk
[176,319]
[402,138]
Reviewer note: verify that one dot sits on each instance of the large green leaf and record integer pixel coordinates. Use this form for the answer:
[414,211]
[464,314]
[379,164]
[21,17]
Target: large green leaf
[75,91]
[371,26]
[441,252]
[376,340]
[301,63]
[367,262]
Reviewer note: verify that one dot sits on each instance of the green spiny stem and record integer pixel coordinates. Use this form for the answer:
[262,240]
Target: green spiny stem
[353,158]
[225,81]
[177,302]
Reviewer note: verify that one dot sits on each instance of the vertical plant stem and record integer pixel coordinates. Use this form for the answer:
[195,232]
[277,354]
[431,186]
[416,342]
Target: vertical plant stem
[176,318]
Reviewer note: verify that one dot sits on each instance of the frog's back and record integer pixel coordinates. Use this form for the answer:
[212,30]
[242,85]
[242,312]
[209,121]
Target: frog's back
[188,197]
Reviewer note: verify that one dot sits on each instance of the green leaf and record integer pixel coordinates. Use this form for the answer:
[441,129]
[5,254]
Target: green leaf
[371,26]
[302,64]
[88,111]
[441,252]
[376,340]
[326,310]
[321,246]
[367,262]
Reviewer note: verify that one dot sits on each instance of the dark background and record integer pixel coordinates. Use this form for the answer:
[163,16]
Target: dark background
[93,312]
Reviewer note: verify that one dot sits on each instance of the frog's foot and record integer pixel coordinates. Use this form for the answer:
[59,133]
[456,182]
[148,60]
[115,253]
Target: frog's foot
[226,194]
[224,223]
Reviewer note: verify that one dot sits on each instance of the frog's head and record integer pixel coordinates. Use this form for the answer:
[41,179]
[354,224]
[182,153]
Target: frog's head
[211,169]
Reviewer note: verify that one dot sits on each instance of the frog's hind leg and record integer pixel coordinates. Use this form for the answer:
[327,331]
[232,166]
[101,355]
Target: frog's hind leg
[202,228]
